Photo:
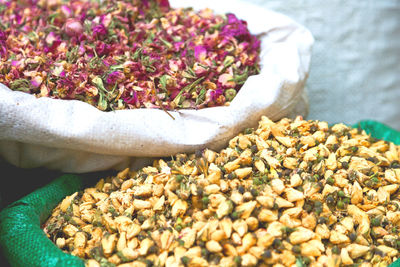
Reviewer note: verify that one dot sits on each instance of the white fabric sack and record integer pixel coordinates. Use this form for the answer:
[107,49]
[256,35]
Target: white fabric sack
[73,136]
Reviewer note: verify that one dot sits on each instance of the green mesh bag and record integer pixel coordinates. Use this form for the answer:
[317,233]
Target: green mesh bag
[24,243]
[22,240]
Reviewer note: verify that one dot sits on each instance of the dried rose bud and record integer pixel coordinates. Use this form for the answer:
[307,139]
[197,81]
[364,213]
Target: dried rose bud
[73,27]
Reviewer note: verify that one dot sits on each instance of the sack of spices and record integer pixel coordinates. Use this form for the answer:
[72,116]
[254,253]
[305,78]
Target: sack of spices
[113,223]
[142,80]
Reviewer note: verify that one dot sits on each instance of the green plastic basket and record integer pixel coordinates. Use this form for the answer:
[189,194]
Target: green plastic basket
[24,243]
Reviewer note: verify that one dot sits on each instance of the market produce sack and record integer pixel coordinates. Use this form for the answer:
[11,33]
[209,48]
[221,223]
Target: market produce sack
[23,241]
[72,136]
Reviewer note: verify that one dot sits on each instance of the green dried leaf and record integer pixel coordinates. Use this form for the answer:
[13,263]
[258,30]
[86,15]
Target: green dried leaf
[187,88]
[20,85]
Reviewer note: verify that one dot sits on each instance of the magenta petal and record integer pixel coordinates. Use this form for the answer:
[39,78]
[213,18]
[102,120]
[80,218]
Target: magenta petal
[146,3]
[199,51]
[99,30]
[236,28]
[66,11]
[164,5]
[114,77]
[35,84]
[103,48]
[232,18]
[3,36]
[132,100]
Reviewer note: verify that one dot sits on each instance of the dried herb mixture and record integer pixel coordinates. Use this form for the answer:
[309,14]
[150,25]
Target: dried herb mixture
[125,54]
[291,193]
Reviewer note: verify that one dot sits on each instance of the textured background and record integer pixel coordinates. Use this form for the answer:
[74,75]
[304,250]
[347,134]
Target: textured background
[355,66]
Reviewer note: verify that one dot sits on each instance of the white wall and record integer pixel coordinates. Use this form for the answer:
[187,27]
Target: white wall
[355,69]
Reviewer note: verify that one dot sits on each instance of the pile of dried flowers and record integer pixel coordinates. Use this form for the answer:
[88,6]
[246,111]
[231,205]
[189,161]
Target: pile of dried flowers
[125,54]
[291,193]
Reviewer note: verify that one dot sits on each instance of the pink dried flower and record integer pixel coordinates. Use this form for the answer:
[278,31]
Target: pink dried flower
[99,30]
[132,100]
[3,46]
[115,77]
[51,37]
[36,81]
[3,36]
[236,28]
[164,5]
[102,48]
